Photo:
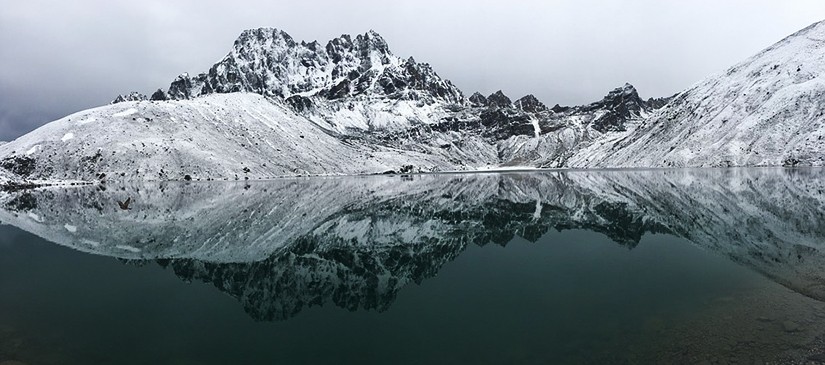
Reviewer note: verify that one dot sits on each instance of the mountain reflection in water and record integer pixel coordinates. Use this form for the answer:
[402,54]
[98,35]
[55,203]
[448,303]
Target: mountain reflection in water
[282,246]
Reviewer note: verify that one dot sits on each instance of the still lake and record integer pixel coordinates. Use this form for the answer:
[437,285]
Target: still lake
[641,266]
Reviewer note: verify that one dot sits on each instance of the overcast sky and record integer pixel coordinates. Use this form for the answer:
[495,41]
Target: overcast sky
[60,57]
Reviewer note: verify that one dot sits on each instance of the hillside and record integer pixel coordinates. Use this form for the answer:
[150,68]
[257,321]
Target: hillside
[766,111]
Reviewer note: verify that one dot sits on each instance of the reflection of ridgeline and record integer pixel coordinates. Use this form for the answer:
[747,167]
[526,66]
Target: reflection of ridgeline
[771,220]
[307,274]
[361,259]
[281,246]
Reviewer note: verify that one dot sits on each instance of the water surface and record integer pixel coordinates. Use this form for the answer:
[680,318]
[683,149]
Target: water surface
[659,266]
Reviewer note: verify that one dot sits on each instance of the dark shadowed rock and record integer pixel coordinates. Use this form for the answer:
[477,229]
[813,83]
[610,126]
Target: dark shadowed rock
[559,109]
[499,100]
[299,103]
[530,104]
[158,95]
[339,91]
[478,100]
[658,103]
[622,104]
[132,96]
[502,123]
[20,165]
[181,88]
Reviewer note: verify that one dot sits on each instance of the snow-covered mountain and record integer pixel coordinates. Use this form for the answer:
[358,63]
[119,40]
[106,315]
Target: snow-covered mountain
[274,106]
[766,111]
[282,245]
[269,62]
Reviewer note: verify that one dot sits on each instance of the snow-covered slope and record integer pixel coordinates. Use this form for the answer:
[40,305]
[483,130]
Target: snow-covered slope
[766,111]
[281,245]
[229,136]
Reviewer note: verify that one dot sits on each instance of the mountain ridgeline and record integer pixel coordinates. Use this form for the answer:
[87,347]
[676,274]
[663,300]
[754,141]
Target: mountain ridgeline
[274,106]
[269,62]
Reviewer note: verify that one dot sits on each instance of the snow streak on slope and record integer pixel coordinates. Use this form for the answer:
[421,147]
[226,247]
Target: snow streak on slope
[766,111]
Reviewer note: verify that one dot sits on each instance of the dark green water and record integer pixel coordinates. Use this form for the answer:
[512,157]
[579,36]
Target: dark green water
[612,267]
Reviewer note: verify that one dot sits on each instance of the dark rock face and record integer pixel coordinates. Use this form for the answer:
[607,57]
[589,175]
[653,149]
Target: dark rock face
[299,103]
[339,91]
[621,105]
[181,88]
[20,165]
[530,104]
[158,95]
[132,96]
[499,100]
[478,100]
[658,103]
[502,123]
[23,202]
[559,109]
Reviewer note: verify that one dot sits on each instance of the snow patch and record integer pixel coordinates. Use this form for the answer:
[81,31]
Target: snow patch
[86,121]
[125,113]
[128,248]
[537,211]
[70,228]
[90,242]
[67,136]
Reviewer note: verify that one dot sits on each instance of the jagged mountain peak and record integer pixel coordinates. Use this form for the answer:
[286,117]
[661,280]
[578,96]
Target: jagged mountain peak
[132,96]
[158,95]
[619,105]
[372,40]
[529,103]
[498,99]
[625,92]
[362,45]
[264,34]
[625,95]
[558,108]
[268,61]
[478,100]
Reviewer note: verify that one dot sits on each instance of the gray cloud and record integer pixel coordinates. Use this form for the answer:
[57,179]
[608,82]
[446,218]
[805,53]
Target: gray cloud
[61,57]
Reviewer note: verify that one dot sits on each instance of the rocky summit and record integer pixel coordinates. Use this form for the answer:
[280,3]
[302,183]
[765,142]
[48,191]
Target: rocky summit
[269,62]
[274,106]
